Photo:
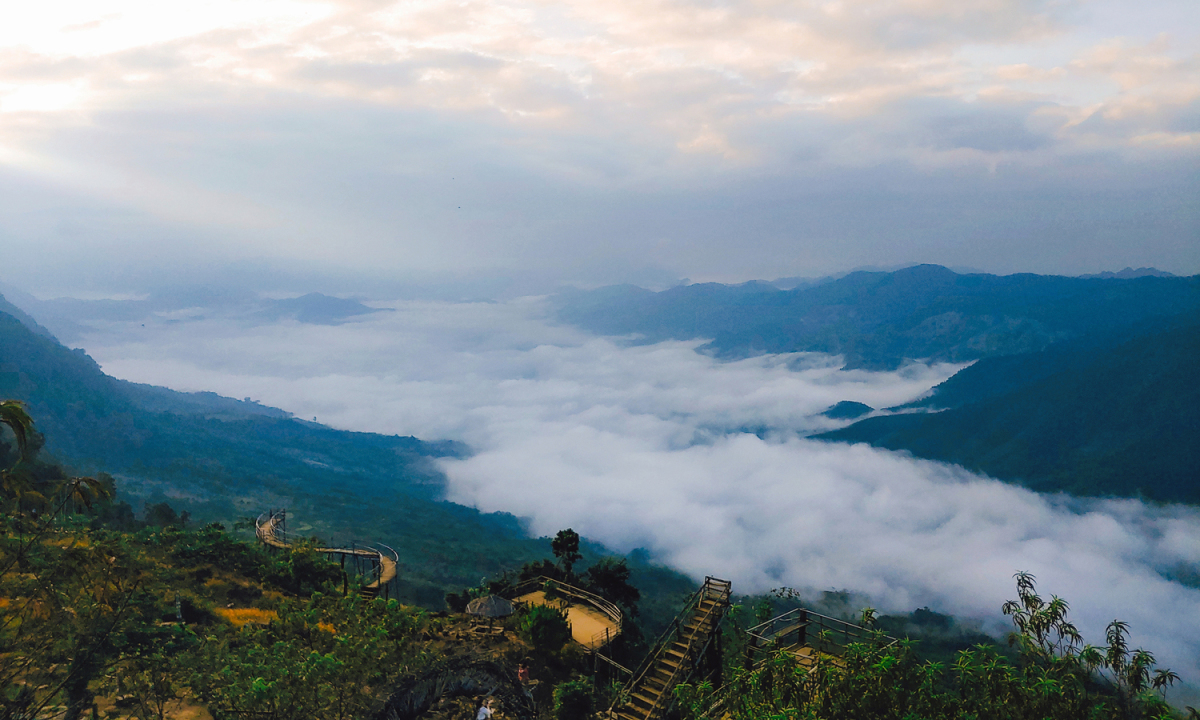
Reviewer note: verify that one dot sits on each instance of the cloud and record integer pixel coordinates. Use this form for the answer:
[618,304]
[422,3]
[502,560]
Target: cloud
[586,142]
[703,463]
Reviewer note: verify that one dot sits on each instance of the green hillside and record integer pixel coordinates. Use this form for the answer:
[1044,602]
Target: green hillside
[1093,417]
[223,459]
[881,320]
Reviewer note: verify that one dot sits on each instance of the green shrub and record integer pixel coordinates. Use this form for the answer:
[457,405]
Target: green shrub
[546,628]
[572,700]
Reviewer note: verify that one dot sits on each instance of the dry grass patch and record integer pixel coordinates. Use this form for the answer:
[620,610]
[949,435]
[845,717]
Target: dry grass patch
[241,616]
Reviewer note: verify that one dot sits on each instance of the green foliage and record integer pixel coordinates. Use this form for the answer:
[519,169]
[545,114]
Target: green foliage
[74,602]
[545,628]
[163,515]
[609,578]
[300,570]
[92,610]
[1056,678]
[572,700]
[565,547]
[319,659]
[148,675]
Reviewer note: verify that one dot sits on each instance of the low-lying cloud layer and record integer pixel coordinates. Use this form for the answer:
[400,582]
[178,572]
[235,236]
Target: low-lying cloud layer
[644,446]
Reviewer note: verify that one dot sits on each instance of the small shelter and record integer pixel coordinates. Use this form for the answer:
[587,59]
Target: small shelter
[492,606]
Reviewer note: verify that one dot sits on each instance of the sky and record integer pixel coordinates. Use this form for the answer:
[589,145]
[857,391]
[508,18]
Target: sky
[514,145]
[644,446]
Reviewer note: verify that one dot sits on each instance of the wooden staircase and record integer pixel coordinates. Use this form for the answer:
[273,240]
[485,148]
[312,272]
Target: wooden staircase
[678,656]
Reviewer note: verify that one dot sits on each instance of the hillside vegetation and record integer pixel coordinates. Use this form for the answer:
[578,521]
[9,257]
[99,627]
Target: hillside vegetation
[224,460]
[104,614]
[1097,416]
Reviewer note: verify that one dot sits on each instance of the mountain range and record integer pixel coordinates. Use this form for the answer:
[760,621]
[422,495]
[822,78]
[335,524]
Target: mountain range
[1084,385]
[881,320]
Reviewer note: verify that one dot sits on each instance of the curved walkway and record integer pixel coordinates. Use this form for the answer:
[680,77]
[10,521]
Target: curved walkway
[270,530]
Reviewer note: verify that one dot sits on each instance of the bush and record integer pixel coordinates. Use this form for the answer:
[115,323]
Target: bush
[572,700]
[457,602]
[546,628]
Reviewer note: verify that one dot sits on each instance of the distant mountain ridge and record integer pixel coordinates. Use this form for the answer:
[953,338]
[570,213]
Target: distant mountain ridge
[1129,272]
[69,318]
[882,320]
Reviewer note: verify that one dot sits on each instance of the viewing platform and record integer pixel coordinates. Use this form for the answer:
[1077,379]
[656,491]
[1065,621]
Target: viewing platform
[594,621]
[807,635]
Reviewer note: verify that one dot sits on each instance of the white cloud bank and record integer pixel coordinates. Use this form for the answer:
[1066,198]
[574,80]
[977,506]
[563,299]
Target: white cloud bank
[632,446]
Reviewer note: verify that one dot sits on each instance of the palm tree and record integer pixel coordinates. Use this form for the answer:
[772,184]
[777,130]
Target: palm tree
[13,414]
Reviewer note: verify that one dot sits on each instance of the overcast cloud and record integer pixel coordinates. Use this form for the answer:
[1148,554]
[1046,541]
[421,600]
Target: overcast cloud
[638,446]
[144,143]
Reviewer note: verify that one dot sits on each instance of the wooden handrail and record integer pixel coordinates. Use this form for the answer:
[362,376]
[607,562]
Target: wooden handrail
[605,606]
[385,568]
[706,591]
[688,654]
[762,635]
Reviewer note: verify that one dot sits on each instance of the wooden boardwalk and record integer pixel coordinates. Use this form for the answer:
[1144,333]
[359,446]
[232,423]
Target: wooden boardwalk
[270,528]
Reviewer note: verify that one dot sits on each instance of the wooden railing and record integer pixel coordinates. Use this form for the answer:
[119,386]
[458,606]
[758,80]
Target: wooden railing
[804,628]
[608,608]
[703,631]
[668,636]
[270,527]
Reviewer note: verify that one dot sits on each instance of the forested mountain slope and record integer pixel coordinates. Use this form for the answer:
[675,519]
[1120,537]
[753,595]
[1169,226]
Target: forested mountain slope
[880,320]
[1099,416]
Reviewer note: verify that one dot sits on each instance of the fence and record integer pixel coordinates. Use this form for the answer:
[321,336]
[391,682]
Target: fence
[801,628]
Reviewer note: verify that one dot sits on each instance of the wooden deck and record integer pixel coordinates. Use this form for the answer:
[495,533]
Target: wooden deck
[589,627]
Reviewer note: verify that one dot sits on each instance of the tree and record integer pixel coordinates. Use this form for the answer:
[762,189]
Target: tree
[13,415]
[565,547]
[324,657]
[609,578]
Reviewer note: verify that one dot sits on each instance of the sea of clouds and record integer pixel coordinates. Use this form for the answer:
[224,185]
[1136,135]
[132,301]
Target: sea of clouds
[705,464]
